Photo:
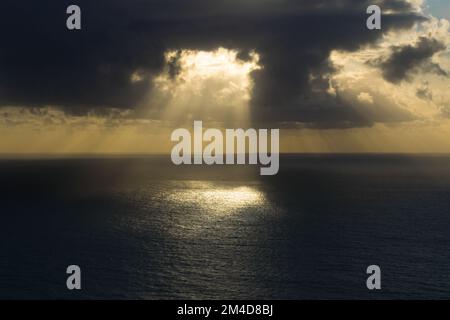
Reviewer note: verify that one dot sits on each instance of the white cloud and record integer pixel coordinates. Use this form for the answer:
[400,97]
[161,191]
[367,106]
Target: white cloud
[358,78]
[365,97]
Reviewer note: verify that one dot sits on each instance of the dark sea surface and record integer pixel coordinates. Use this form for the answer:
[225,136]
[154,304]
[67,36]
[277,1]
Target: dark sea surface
[142,228]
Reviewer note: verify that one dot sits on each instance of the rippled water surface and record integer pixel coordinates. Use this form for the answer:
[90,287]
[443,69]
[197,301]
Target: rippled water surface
[141,228]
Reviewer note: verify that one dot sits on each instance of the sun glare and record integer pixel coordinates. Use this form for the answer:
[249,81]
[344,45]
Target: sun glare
[215,63]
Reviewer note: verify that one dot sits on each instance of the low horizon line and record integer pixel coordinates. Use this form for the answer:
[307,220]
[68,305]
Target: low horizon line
[4,155]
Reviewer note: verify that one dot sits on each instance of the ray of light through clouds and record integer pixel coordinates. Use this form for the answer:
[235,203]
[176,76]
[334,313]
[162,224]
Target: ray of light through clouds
[208,85]
[214,85]
[396,86]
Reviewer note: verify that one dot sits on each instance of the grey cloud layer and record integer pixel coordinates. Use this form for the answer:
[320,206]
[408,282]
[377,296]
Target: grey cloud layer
[412,58]
[42,63]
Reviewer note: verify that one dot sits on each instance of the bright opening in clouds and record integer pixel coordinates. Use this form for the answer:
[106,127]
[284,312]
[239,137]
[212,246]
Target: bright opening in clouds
[214,85]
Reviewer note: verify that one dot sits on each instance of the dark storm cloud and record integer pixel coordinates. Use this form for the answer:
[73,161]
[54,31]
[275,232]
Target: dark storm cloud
[411,58]
[42,63]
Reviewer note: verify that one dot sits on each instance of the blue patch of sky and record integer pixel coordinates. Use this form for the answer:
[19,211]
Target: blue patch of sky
[438,8]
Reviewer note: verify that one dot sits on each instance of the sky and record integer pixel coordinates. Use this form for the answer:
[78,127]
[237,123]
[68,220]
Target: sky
[438,8]
[139,69]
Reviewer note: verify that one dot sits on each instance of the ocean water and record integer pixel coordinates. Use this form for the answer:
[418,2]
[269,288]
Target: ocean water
[142,228]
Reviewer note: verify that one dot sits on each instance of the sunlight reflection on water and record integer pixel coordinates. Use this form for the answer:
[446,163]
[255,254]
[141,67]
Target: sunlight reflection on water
[217,199]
